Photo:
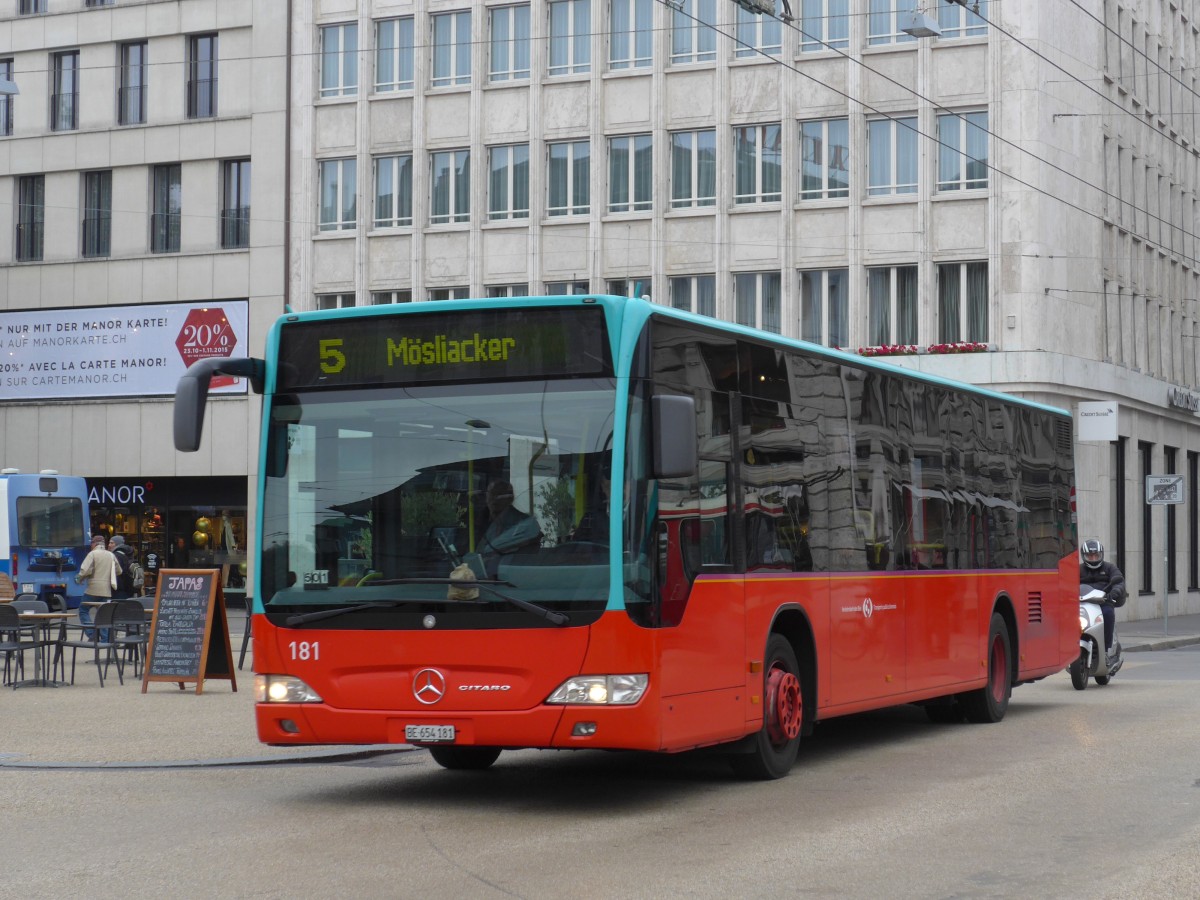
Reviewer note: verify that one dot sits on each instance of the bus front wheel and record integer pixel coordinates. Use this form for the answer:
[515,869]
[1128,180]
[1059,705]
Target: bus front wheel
[990,702]
[775,745]
[464,758]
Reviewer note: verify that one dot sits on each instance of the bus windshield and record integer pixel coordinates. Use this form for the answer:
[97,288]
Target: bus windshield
[395,499]
[50,522]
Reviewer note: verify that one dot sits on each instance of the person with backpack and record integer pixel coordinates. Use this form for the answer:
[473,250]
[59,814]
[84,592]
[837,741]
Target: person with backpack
[124,554]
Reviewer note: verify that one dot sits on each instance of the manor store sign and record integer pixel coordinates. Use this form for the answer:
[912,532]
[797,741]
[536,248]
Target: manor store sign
[116,351]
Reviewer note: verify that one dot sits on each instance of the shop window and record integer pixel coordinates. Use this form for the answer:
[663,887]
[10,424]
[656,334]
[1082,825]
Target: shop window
[210,538]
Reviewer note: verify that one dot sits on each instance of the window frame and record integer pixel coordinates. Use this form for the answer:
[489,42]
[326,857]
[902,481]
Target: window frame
[198,64]
[574,46]
[128,85]
[6,100]
[742,281]
[823,313]
[899,319]
[696,166]
[689,288]
[756,36]
[457,207]
[339,165]
[891,35]
[341,62]
[904,127]
[633,193]
[826,166]
[336,300]
[515,195]
[693,26]
[956,20]
[398,57]
[166,208]
[30,224]
[817,25]
[64,113]
[574,179]
[235,203]
[96,224]
[956,133]
[761,153]
[967,305]
[446,34]
[634,44]
[513,48]
[399,168]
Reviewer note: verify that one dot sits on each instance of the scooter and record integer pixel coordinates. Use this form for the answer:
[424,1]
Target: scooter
[1092,661]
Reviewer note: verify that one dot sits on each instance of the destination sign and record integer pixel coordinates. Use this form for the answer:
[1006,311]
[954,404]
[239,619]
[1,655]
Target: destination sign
[423,348]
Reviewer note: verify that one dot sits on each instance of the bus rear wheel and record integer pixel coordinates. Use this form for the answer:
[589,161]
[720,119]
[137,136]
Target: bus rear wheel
[990,702]
[464,758]
[775,745]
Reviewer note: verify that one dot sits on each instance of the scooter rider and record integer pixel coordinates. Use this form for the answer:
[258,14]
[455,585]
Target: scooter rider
[1104,576]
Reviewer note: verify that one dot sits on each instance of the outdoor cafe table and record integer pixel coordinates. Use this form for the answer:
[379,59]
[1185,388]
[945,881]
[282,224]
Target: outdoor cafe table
[41,662]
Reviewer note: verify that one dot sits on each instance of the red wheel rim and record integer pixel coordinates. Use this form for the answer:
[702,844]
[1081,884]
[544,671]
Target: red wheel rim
[784,706]
[999,669]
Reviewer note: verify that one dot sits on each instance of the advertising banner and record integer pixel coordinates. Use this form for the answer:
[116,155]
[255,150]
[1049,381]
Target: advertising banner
[117,351]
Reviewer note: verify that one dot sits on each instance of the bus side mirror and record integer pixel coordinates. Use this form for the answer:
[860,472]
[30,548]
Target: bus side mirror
[191,395]
[674,422]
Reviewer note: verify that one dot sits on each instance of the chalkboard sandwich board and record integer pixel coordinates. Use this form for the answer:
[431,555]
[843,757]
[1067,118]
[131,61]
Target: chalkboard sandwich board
[189,635]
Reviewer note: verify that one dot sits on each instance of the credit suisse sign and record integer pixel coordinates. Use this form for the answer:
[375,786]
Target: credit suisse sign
[116,351]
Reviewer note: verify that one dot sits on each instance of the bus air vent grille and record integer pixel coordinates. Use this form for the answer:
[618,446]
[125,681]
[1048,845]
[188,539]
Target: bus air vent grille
[1035,608]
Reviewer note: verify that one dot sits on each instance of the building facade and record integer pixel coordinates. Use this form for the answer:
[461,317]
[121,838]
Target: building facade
[1021,189]
[141,192]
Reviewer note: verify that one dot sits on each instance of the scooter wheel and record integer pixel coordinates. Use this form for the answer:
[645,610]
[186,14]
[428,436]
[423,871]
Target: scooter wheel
[1079,678]
[1102,679]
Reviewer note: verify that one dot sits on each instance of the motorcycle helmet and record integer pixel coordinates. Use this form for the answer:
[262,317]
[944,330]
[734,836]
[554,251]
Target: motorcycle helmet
[1093,553]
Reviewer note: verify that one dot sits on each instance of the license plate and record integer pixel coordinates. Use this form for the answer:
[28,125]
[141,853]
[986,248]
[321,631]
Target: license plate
[429,734]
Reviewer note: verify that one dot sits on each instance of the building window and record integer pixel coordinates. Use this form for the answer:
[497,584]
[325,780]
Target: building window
[6,100]
[570,37]
[1170,456]
[166,208]
[693,32]
[630,287]
[963,151]
[630,173]
[757,35]
[339,60]
[508,54]
[567,288]
[1118,499]
[450,186]
[97,213]
[958,21]
[962,319]
[892,305]
[451,48]
[631,34]
[459,292]
[1145,456]
[498,291]
[825,307]
[885,19]
[339,194]
[393,191]
[31,216]
[335,301]
[824,24]
[394,55]
[508,182]
[202,76]
[569,179]
[380,298]
[825,159]
[756,164]
[64,101]
[756,300]
[131,95]
[31,7]
[693,168]
[1193,489]
[235,204]
[892,156]
[695,293]
[99,3]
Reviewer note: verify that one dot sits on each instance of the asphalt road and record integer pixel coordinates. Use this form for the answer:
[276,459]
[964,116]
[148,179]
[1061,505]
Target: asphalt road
[1089,795]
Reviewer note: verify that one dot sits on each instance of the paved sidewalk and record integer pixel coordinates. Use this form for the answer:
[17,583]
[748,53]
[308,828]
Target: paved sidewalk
[89,726]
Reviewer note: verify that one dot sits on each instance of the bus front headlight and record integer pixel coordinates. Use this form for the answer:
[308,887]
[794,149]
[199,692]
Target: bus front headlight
[283,689]
[600,690]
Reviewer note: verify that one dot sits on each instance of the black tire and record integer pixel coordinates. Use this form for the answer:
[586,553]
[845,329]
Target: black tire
[776,744]
[464,758]
[1079,673]
[1102,680]
[990,702]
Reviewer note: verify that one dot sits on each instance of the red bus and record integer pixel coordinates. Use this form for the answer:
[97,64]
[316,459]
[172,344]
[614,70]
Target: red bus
[594,522]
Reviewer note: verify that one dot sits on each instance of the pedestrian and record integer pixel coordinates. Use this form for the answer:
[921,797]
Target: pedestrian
[124,554]
[98,574]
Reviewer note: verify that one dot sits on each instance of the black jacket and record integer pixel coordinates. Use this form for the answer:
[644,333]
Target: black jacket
[1105,577]
[125,579]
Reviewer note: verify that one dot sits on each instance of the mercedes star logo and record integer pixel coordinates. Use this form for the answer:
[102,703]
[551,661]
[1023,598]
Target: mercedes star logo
[429,685]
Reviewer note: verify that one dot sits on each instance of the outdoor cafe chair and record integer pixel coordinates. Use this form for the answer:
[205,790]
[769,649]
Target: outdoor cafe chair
[90,637]
[11,644]
[29,603]
[130,631]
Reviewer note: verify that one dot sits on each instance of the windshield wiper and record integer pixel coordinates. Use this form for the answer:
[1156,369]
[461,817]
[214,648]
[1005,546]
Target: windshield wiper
[554,618]
[301,618]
